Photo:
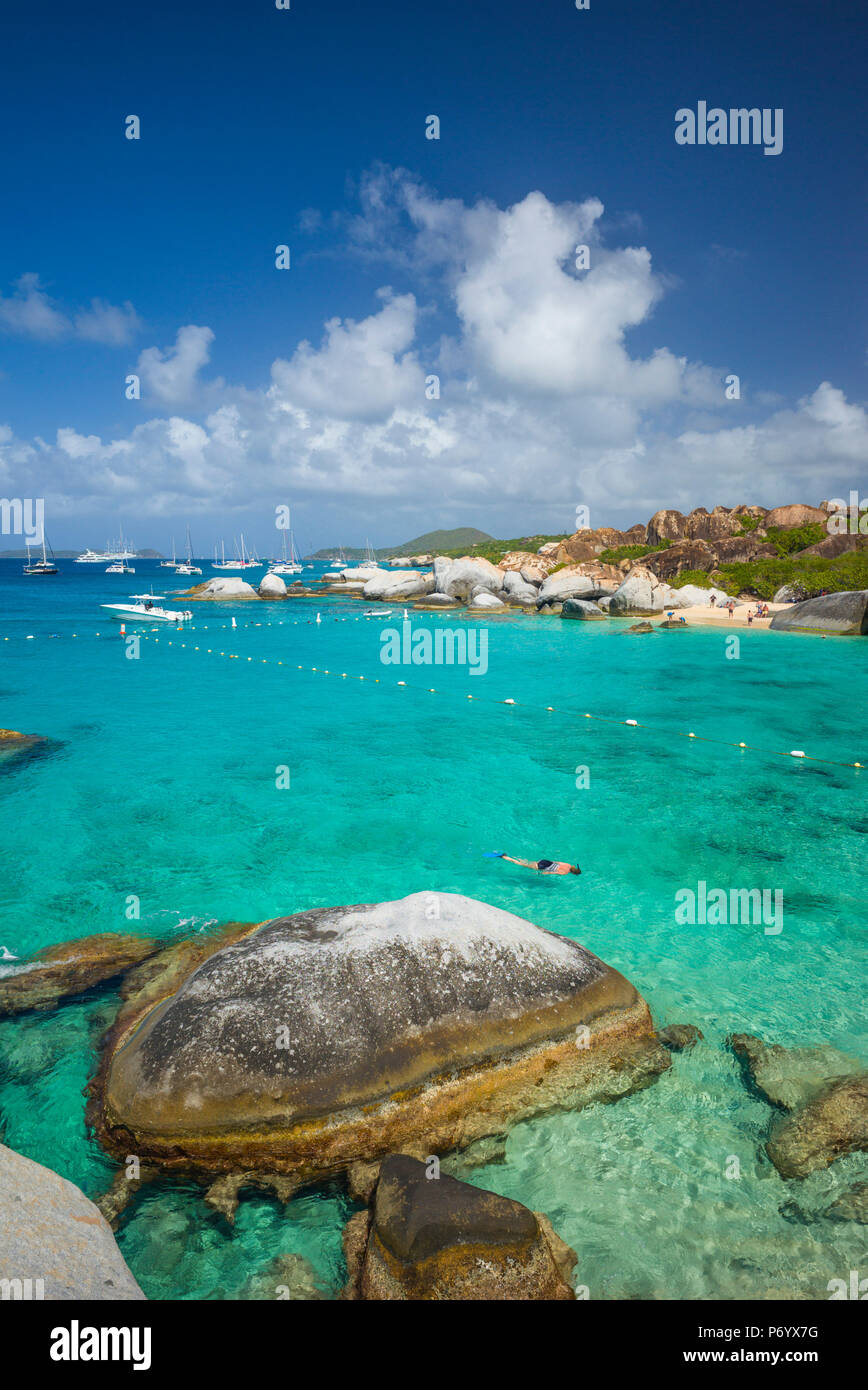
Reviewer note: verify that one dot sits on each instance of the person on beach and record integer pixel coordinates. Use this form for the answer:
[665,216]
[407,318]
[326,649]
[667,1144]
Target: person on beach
[543,866]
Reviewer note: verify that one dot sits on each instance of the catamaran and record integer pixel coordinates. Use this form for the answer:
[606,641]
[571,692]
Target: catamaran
[187,567]
[146,609]
[43,566]
[119,566]
[241,562]
[290,564]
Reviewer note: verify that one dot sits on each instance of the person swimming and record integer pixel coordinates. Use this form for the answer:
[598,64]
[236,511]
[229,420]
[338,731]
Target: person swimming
[543,866]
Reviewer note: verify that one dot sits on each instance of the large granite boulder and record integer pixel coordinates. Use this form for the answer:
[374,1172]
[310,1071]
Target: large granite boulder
[54,1243]
[57,972]
[271,586]
[518,589]
[795,514]
[432,1237]
[571,582]
[698,597]
[389,585]
[459,578]
[482,600]
[583,610]
[232,588]
[666,525]
[342,1034]
[642,592]
[533,568]
[844,614]
[683,555]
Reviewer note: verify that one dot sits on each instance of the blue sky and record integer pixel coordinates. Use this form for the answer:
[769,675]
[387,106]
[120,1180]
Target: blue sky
[307,127]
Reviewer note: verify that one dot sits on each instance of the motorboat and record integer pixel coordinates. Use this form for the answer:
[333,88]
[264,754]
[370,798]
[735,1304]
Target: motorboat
[146,609]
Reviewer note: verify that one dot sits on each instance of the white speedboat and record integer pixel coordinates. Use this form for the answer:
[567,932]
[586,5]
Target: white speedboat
[378,613]
[147,609]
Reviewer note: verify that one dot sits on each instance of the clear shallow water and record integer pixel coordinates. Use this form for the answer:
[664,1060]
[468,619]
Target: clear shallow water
[160,782]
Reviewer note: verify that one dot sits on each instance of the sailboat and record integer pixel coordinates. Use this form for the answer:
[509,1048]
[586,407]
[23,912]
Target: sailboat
[340,564]
[43,566]
[187,567]
[241,562]
[288,565]
[119,558]
[170,564]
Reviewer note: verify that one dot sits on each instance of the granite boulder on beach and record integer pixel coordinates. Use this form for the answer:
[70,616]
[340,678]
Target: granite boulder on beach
[340,1035]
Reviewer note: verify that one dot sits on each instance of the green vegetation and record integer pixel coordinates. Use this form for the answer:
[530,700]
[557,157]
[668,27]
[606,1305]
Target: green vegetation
[700,577]
[748,523]
[631,552]
[460,541]
[794,538]
[814,572]
[495,550]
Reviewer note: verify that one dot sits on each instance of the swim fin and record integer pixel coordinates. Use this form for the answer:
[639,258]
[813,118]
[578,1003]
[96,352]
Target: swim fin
[494,854]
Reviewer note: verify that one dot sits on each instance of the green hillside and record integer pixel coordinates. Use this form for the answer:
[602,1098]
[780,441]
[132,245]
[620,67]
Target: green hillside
[433,542]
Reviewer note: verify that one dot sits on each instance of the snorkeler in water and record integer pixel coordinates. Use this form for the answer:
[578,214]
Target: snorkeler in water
[543,866]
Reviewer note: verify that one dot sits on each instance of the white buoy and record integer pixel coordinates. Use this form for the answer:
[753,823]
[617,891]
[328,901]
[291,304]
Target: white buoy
[234,624]
[318,618]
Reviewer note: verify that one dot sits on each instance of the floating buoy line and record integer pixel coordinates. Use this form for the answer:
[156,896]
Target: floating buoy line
[185,629]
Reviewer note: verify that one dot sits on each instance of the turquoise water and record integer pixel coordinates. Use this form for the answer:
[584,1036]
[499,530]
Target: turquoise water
[160,782]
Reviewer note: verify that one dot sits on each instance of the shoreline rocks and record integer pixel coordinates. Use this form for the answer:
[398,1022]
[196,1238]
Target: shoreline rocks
[59,972]
[340,1035]
[436,1238]
[843,614]
[52,1237]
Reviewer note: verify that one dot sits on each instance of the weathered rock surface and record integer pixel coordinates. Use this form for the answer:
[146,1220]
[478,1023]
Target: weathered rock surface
[394,584]
[639,628]
[834,1123]
[567,583]
[440,1239]
[582,609]
[70,968]
[642,592]
[49,1231]
[339,1035]
[844,614]
[222,589]
[459,578]
[272,586]
[795,514]
[484,600]
[532,567]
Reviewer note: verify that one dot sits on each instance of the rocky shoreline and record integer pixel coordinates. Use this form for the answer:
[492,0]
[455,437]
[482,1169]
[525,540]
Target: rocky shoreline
[573,579]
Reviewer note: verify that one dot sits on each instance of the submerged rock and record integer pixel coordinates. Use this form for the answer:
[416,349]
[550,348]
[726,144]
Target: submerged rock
[343,1034]
[680,1037]
[834,1123]
[70,968]
[844,614]
[52,1238]
[639,628]
[852,1205]
[441,1239]
[12,743]
[789,1076]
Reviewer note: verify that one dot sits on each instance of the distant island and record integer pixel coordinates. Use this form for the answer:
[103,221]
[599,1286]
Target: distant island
[462,538]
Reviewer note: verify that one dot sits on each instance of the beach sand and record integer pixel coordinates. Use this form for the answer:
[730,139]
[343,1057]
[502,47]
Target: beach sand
[719,617]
